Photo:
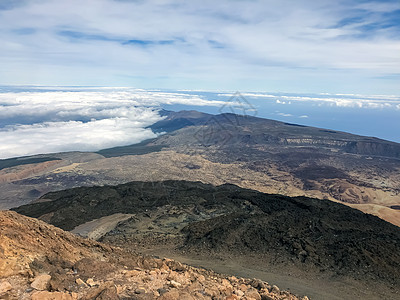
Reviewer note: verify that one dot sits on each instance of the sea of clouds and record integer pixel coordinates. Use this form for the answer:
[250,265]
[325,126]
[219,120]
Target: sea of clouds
[44,121]
[36,120]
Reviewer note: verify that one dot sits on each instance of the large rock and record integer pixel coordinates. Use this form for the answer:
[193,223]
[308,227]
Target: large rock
[41,282]
[45,295]
[5,286]
[252,294]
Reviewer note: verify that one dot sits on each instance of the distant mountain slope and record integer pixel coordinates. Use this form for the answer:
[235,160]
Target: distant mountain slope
[311,235]
[195,128]
[251,130]
[261,154]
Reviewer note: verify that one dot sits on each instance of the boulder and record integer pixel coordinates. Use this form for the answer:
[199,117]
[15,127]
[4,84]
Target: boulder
[41,282]
[5,286]
[45,295]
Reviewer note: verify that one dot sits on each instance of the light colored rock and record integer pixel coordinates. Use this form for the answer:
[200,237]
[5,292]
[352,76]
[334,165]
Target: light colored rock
[164,268]
[5,286]
[80,282]
[233,279]
[132,273]
[240,293]
[140,290]
[174,284]
[226,283]
[90,282]
[194,287]
[44,295]
[41,282]
[275,289]
[253,294]
[201,278]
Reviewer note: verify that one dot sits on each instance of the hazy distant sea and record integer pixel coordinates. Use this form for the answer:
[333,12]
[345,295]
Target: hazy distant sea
[369,115]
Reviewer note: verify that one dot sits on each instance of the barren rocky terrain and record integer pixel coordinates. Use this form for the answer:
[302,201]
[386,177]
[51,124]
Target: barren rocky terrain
[42,262]
[313,246]
[265,155]
[302,238]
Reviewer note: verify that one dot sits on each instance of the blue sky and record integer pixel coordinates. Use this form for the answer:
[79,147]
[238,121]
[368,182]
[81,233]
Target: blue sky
[299,46]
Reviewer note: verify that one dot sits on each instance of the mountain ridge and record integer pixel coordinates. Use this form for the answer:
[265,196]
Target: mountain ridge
[256,153]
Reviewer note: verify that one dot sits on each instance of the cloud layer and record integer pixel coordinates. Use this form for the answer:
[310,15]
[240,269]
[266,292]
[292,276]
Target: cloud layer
[34,122]
[299,46]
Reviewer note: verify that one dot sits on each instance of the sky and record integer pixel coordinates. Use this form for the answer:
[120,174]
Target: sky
[88,75]
[299,46]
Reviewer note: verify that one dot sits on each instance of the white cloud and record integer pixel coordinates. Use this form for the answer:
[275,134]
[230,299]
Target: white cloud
[50,137]
[84,119]
[285,115]
[246,45]
[339,100]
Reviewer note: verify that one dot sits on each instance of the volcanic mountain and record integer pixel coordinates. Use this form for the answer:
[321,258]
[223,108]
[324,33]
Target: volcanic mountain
[305,239]
[261,154]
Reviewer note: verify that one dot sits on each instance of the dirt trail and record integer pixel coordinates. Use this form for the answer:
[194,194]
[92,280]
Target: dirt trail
[97,228]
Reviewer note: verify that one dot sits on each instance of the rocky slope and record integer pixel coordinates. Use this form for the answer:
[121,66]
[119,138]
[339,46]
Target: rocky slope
[302,236]
[39,262]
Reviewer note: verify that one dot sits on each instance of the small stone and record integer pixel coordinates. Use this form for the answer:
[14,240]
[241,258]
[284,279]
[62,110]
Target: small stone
[91,282]
[201,278]
[240,293]
[226,283]
[243,287]
[148,278]
[5,286]
[174,284]
[132,273]
[275,289]
[162,291]
[41,282]
[176,266]
[164,268]
[140,291]
[305,298]
[80,282]
[252,293]
[266,296]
